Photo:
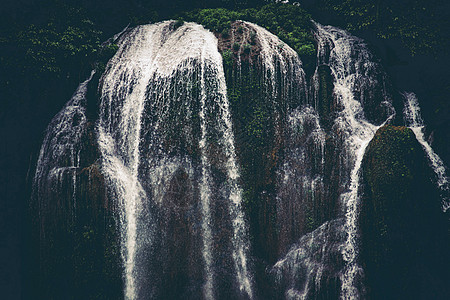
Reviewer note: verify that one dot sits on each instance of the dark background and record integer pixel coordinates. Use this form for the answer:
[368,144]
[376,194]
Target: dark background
[30,95]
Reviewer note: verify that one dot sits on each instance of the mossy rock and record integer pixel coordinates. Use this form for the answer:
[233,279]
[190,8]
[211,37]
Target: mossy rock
[326,104]
[402,224]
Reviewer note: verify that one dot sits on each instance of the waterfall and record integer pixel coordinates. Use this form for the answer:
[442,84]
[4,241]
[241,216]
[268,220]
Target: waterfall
[59,157]
[312,258]
[119,129]
[352,68]
[360,104]
[301,177]
[413,119]
[183,160]
[240,246]
[159,84]
[290,127]
[356,80]
[282,69]
[205,195]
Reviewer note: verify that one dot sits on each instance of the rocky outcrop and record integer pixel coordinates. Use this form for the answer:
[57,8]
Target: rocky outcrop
[326,101]
[311,268]
[258,138]
[75,228]
[257,141]
[402,226]
[80,248]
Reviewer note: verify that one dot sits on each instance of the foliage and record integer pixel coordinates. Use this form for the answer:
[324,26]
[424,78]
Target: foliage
[421,25]
[48,49]
[48,57]
[225,32]
[247,48]
[289,22]
[391,146]
[178,23]
[227,57]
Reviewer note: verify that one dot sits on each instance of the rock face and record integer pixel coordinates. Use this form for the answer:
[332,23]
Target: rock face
[74,219]
[327,104]
[257,141]
[279,142]
[403,230]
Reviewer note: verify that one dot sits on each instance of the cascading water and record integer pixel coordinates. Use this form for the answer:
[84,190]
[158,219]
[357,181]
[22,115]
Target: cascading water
[55,198]
[301,176]
[276,71]
[301,271]
[162,78]
[59,157]
[172,146]
[413,119]
[282,69]
[205,195]
[356,80]
[119,136]
[300,194]
[359,107]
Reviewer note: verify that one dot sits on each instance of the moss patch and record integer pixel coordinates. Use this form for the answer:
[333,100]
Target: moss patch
[402,225]
[290,23]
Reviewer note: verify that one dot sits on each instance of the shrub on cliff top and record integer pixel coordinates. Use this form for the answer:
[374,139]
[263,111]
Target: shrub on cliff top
[289,22]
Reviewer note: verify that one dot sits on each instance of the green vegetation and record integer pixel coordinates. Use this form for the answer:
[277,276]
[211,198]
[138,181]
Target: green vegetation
[392,147]
[421,25]
[290,23]
[52,49]
[62,46]
[227,57]
[402,225]
[247,48]
[225,32]
[47,47]
[390,169]
[252,37]
[178,23]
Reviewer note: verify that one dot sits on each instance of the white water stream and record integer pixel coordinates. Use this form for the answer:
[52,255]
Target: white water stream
[351,65]
[413,120]
[144,68]
[60,151]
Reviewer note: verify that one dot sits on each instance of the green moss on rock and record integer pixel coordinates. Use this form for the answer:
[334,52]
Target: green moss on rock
[326,99]
[402,225]
[391,155]
[291,23]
